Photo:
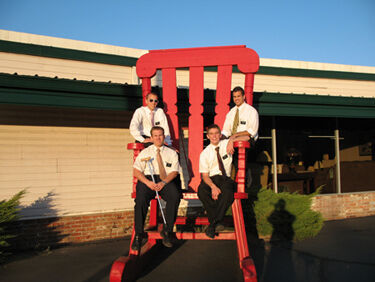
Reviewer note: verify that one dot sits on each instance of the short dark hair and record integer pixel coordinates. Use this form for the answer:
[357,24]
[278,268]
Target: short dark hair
[212,126]
[152,93]
[238,89]
[156,128]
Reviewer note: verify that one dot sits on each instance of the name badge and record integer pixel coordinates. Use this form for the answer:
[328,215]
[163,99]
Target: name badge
[225,157]
[157,123]
[168,164]
[243,121]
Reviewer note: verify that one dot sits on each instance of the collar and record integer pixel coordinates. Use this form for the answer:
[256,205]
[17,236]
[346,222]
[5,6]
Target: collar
[154,148]
[242,105]
[147,109]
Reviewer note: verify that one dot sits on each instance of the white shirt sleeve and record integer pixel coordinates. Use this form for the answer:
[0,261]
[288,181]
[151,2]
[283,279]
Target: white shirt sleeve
[227,127]
[253,123]
[136,124]
[203,163]
[138,164]
[164,124]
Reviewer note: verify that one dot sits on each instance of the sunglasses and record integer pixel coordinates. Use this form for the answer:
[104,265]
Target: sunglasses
[152,100]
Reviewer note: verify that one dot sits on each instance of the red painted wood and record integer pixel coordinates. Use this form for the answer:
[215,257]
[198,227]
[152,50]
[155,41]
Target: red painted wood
[146,88]
[194,196]
[249,85]
[248,269]
[170,103]
[195,236]
[195,123]
[241,145]
[246,59]
[154,208]
[239,227]
[137,148]
[118,268]
[196,59]
[223,93]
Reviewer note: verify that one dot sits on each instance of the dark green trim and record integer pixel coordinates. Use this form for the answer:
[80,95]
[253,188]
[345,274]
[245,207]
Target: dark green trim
[64,53]
[33,90]
[278,104]
[316,73]
[78,55]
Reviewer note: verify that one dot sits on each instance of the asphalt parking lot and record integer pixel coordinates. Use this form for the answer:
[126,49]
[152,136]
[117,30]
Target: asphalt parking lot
[343,251]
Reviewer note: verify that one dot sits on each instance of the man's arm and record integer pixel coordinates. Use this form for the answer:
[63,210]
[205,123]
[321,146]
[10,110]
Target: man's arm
[172,175]
[240,137]
[215,191]
[141,177]
[134,126]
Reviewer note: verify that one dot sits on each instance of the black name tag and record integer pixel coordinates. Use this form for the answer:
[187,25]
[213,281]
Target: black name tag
[168,164]
[225,157]
[157,123]
[243,122]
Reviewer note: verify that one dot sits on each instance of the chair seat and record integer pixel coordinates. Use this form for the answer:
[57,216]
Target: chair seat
[194,195]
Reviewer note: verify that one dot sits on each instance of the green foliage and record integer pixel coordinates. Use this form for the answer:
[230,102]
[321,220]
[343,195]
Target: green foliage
[8,212]
[286,216]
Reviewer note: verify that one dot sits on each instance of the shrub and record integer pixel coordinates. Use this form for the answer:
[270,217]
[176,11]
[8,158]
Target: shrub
[8,212]
[285,215]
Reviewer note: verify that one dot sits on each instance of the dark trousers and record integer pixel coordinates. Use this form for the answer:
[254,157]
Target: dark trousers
[216,208]
[170,193]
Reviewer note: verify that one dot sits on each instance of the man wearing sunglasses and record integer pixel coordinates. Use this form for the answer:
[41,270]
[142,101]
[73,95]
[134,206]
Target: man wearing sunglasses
[145,118]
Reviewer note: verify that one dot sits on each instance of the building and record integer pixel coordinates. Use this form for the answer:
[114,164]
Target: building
[65,108]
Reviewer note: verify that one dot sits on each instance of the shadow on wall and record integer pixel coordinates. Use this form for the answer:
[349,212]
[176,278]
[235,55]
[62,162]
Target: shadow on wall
[37,233]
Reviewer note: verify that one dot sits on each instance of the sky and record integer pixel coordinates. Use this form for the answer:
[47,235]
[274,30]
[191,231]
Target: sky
[328,31]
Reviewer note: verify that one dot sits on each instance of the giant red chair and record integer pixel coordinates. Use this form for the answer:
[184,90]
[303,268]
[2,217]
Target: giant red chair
[195,59]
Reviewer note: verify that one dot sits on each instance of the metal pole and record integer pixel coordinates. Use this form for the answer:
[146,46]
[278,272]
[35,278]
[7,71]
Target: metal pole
[337,153]
[274,158]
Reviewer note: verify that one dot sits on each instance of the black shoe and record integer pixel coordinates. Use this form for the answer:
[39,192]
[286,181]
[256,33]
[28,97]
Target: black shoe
[210,231]
[219,227]
[140,239]
[167,237]
[167,240]
[164,232]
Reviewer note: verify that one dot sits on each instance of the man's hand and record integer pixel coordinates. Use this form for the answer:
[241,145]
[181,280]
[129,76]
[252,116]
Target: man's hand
[147,140]
[159,186]
[152,185]
[230,148]
[215,192]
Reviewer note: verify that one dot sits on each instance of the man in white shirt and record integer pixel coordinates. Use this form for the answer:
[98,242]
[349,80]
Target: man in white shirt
[242,119]
[165,165]
[145,117]
[216,190]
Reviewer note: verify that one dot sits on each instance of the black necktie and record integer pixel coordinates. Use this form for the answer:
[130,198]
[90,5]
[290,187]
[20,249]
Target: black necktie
[220,162]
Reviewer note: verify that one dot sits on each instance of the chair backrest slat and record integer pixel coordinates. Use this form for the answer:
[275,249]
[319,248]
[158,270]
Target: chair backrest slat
[223,89]
[170,103]
[196,98]
[247,61]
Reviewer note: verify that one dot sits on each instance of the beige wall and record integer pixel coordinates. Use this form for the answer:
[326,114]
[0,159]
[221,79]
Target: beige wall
[66,170]
[68,69]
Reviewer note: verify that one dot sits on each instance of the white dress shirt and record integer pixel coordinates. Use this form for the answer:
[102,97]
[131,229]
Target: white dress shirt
[248,120]
[208,159]
[168,155]
[141,123]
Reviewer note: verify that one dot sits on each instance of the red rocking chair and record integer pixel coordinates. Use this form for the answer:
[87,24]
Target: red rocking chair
[224,58]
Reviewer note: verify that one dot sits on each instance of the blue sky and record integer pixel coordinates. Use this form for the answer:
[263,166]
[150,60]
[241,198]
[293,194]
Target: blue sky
[329,31]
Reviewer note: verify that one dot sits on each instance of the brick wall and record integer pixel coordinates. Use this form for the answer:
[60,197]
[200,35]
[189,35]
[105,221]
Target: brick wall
[346,205]
[41,233]
[47,232]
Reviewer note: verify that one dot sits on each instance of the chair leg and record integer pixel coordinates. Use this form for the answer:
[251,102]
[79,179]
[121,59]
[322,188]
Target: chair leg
[246,262]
